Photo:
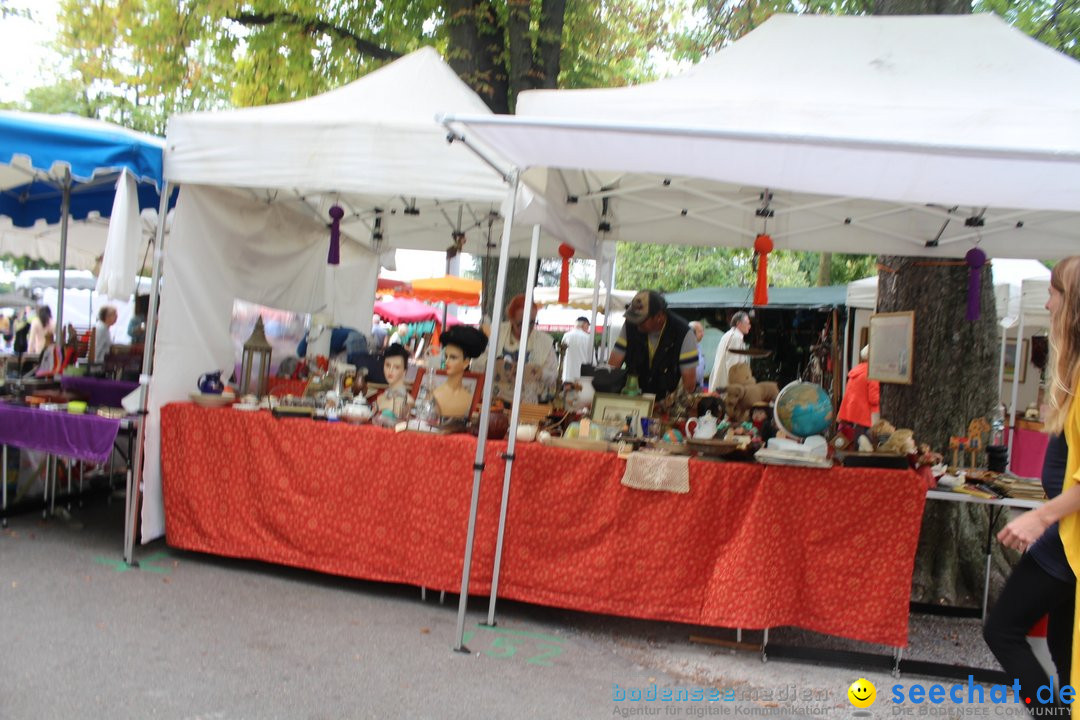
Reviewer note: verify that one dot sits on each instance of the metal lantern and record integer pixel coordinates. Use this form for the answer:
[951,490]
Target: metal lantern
[255,366]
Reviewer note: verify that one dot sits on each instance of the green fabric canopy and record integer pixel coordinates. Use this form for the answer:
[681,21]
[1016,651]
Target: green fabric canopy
[712,297]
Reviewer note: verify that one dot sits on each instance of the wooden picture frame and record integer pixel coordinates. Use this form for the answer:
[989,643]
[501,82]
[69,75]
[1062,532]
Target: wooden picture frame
[475,380]
[1010,358]
[892,346]
[612,408]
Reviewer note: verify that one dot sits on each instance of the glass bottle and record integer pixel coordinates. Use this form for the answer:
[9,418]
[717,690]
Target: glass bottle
[997,426]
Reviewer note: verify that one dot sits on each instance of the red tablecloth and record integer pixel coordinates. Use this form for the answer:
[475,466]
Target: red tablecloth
[750,546]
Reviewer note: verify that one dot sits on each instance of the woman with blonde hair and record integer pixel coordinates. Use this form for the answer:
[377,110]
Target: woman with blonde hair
[1044,581]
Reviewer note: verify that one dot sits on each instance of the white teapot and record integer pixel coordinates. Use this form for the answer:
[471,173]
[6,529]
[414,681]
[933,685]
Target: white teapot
[702,428]
[357,411]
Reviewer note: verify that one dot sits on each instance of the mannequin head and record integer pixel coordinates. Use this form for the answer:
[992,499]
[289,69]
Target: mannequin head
[461,344]
[395,364]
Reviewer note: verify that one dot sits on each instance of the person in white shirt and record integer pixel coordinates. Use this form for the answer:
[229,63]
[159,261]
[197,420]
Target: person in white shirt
[541,360]
[733,339]
[102,339]
[579,350]
[699,333]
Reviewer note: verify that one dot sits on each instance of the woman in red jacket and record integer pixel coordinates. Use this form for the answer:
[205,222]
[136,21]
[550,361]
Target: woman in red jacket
[862,400]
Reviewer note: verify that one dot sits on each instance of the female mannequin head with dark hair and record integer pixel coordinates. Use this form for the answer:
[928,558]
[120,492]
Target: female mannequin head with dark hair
[460,345]
[395,398]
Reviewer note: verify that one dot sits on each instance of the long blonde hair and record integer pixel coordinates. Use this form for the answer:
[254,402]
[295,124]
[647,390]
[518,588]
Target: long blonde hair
[1064,342]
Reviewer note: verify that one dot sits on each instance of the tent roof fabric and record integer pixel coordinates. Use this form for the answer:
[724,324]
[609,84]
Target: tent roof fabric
[372,144]
[37,149]
[858,134]
[779,298]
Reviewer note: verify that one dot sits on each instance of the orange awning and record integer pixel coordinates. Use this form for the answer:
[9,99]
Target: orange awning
[447,289]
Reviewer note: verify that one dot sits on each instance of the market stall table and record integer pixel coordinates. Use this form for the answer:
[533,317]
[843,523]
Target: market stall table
[750,546]
[81,437]
[100,392]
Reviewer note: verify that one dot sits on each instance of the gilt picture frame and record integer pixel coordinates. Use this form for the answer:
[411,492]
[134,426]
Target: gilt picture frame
[892,346]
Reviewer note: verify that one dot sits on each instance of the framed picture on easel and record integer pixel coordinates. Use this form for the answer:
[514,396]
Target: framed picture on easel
[892,343]
[1010,359]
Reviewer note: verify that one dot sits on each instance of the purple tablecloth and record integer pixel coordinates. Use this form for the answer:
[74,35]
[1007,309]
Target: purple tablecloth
[83,437]
[98,391]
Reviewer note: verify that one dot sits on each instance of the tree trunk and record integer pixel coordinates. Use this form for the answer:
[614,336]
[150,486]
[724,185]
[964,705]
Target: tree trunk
[475,50]
[517,273]
[552,19]
[954,380]
[824,274]
[520,46]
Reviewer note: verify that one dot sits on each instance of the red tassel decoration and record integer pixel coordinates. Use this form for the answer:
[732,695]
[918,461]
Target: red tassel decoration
[566,252]
[763,245]
[333,256]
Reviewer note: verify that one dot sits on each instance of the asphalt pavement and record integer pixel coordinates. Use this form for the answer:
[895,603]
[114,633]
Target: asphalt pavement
[190,636]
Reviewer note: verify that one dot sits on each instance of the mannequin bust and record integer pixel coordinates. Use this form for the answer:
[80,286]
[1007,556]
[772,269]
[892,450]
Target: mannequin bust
[394,401]
[460,345]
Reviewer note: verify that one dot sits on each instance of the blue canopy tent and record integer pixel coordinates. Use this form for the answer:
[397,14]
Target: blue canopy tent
[55,168]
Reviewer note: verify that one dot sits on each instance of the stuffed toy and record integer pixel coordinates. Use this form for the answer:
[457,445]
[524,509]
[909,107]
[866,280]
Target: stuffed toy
[743,391]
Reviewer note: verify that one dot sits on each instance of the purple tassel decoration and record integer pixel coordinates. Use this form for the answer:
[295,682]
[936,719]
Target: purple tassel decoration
[975,258]
[334,256]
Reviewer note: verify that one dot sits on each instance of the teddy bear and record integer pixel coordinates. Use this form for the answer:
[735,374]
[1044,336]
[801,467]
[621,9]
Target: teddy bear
[743,390]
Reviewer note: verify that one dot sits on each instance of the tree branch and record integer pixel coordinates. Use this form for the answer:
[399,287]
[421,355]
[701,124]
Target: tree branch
[312,27]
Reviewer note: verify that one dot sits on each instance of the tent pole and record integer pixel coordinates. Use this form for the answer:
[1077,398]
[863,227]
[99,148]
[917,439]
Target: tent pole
[595,308]
[1001,362]
[515,416]
[1011,430]
[135,475]
[848,330]
[485,414]
[65,211]
[606,344]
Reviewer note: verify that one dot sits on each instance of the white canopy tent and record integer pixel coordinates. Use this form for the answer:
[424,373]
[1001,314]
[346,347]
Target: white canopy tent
[252,218]
[899,135]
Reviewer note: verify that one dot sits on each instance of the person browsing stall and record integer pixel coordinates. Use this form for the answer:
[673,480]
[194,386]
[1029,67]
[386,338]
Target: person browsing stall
[40,323]
[657,345]
[102,338]
[699,334]
[733,339]
[862,399]
[541,360]
[1044,580]
[579,350]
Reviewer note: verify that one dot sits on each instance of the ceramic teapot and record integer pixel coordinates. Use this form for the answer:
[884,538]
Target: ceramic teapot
[702,428]
[357,411]
[211,384]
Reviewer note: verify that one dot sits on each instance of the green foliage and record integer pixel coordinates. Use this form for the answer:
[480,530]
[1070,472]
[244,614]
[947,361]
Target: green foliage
[609,44]
[671,268]
[1057,24]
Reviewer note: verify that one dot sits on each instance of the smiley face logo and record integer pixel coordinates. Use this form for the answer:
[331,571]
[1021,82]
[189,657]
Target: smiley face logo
[862,693]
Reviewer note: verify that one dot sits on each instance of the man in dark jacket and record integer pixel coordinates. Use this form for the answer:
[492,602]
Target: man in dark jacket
[657,345]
